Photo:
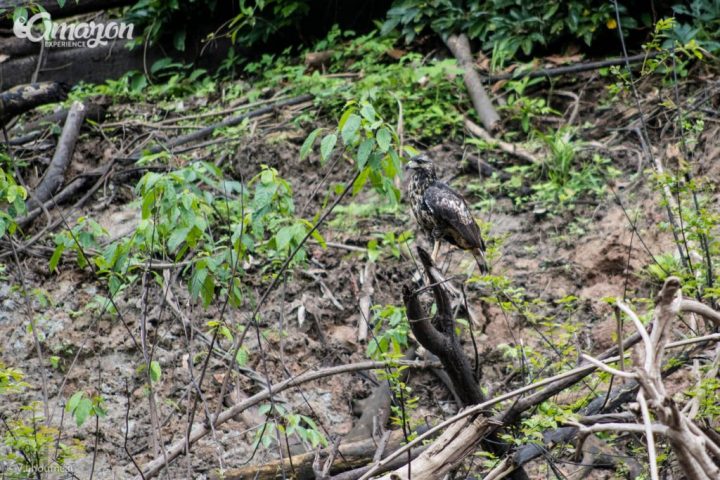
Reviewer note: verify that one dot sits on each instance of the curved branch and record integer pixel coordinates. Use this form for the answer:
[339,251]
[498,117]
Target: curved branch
[154,467]
[701,309]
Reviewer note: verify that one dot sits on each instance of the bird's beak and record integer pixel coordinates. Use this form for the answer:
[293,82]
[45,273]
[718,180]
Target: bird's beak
[410,165]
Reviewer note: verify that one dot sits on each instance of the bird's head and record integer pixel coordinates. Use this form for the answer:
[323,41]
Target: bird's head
[421,164]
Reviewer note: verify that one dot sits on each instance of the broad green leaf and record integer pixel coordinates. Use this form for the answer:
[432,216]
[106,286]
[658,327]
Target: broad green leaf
[366,148]
[383,138]
[74,401]
[368,112]
[82,411]
[346,114]
[242,356]
[177,237]
[326,146]
[155,371]
[308,143]
[350,128]
[283,238]
[361,180]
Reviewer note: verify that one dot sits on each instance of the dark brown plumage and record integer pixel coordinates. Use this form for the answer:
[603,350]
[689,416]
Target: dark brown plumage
[442,212]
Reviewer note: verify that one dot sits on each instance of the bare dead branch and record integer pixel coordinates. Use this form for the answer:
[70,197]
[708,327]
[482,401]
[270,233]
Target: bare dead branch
[154,467]
[459,45]
[55,173]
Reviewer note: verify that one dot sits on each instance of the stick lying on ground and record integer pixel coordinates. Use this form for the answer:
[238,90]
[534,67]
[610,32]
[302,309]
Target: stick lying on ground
[154,467]
[349,456]
[55,173]
[228,122]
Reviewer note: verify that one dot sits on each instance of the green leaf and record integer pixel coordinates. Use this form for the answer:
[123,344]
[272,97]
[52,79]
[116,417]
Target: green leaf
[155,371]
[361,180]
[138,83]
[368,112]
[225,332]
[283,237]
[366,148]
[350,128]
[73,402]
[346,114]
[242,356]
[383,138]
[82,411]
[179,40]
[308,143]
[56,256]
[177,237]
[326,146]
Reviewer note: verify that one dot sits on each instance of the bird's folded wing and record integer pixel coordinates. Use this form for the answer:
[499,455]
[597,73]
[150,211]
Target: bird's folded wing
[450,209]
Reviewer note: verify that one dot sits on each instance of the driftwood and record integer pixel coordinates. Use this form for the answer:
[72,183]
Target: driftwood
[95,65]
[695,451]
[33,130]
[618,396]
[350,456]
[569,69]
[23,98]
[460,48]
[438,336]
[475,428]
[55,173]
[509,148]
[199,431]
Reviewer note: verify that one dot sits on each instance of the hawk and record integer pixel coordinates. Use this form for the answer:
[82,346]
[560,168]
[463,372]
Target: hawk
[441,212]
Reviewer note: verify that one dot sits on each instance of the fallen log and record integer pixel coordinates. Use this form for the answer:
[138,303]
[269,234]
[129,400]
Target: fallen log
[23,98]
[509,148]
[152,468]
[569,69]
[14,47]
[350,456]
[459,45]
[55,173]
[93,111]
[95,65]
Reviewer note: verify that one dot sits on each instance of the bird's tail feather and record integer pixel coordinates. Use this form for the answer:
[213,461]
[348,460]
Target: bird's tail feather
[481,262]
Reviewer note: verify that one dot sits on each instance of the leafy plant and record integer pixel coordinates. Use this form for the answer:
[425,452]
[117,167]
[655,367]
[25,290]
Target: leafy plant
[390,331]
[700,20]
[287,424]
[521,107]
[506,27]
[429,92]
[12,203]
[29,445]
[388,242]
[80,406]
